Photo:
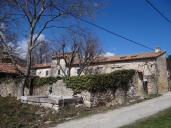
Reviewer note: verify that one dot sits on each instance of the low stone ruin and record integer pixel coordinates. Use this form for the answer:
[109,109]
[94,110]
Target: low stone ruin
[51,101]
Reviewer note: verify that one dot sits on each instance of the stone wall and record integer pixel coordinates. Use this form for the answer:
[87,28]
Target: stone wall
[139,65]
[146,67]
[10,86]
[58,89]
[90,99]
[109,98]
[169,84]
[162,82]
[114,97]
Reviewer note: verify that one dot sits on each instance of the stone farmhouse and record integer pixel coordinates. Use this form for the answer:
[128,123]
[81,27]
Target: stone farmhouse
[151,65]
[6,65]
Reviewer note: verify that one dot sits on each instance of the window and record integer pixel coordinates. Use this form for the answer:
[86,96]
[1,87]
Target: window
[59,72]
[78,71]
[47,72]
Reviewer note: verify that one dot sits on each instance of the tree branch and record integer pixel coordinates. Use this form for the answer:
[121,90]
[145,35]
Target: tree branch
[43,28]
[24,11]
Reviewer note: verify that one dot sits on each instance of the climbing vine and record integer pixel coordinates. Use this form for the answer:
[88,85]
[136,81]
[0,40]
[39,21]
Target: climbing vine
[100,82]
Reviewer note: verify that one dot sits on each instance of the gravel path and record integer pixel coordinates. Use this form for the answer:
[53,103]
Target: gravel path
[122,116]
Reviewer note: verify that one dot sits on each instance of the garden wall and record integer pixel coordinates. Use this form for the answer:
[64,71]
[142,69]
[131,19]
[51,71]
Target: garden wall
[58,89]
[9,86]
[113,97]
[95,90]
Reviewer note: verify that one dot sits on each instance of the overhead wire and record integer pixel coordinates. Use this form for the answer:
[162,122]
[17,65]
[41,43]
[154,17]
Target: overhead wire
[108,31]
[158,11]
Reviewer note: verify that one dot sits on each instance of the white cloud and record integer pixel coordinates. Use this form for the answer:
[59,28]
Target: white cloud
[108,54]
[41,37]
[2,26]
[22,46]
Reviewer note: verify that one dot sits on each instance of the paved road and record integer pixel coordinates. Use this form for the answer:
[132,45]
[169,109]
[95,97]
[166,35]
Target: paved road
[122,116]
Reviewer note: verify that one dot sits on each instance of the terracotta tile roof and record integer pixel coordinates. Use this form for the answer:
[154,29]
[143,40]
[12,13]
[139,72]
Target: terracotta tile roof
[105,59]
[8,68]
[48,65]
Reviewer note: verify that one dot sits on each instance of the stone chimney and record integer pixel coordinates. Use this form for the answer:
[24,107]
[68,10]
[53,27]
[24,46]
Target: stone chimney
[157,49]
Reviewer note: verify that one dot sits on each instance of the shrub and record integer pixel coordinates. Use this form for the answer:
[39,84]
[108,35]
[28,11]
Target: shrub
[6,78]
[44,80]
[100,82]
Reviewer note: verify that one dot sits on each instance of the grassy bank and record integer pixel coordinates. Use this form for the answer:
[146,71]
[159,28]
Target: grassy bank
[14,114]
[160,120]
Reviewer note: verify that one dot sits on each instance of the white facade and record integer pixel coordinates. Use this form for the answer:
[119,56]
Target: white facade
[58,68]
[43,72]
[147,67]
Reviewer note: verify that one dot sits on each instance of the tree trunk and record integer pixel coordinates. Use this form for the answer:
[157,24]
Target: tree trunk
[69,72]
[31,86]
[27,75]
[20,87]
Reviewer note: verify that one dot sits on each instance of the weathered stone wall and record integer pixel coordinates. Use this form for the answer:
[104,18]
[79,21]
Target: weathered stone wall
[146,67]
[58,89]
[137,83]
[169,84]
[162,82]
[139,65]
[111,97]
[10,86]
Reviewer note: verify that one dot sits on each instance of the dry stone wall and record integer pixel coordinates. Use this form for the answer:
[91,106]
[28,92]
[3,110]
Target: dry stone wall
[109,98]
[10,87]
[58,89]
[90,99]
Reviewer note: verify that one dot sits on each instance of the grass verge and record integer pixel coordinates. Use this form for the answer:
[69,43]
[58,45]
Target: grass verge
[160,120]
[14,114]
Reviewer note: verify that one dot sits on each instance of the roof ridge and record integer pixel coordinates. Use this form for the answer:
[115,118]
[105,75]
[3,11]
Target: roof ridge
[132,54]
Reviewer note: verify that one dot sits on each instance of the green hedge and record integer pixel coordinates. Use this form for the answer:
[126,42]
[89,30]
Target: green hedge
[100,82]
[44,80]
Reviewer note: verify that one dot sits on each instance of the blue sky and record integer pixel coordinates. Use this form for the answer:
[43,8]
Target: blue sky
[134,19]
[137,20]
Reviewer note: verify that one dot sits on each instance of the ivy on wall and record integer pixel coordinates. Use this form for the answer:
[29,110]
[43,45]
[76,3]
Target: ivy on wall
[101,82]
[44,80]
[92,83]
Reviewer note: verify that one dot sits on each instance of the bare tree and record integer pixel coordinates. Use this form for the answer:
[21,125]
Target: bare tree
[68,51]
[39,15]
[42,53]
[7,40]
[78,48]
[89,49]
